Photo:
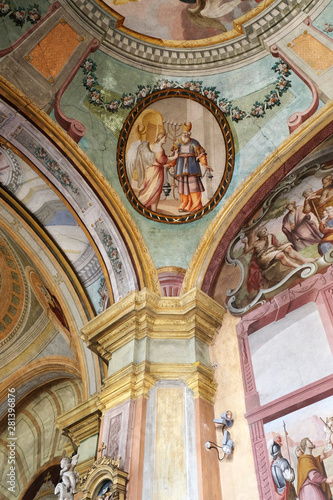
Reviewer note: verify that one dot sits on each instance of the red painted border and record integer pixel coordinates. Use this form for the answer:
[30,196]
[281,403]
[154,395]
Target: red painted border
[75,129]
[296,119]
[318,289]
[53,7]
[308,22]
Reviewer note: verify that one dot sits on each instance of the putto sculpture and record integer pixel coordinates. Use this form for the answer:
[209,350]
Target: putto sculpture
[66,488]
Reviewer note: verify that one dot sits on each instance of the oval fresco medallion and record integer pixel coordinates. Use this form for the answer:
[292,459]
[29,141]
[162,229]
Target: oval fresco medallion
[175,156]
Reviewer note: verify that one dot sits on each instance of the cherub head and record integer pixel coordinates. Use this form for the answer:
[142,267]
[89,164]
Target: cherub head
[65,463]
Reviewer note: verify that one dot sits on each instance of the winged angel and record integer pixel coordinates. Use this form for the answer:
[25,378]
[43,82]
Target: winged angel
[149,162]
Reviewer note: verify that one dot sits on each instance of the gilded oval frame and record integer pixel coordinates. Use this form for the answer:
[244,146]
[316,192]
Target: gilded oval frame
[224,128]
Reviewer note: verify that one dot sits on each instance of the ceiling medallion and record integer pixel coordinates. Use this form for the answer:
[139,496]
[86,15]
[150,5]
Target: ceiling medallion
[175,156]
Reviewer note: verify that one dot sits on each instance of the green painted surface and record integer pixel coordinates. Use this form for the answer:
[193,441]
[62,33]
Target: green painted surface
[159,351]
[9,31]
[88,448]
[255,138]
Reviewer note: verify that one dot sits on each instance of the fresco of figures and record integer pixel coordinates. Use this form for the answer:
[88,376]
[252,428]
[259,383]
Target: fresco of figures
[175,161]
[289,238]
[300,447]
[181,19]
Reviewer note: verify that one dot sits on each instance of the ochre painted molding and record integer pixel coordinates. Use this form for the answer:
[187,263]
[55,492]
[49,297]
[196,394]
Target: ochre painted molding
[143,263]
[38,367]
[145,314]
[133,382]
[236,202]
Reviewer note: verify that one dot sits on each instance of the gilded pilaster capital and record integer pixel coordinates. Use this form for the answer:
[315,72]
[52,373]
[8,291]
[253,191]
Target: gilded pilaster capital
[134,381]
[145,314]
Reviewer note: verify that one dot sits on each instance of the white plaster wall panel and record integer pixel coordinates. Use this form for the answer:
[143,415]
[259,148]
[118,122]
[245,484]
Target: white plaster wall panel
[290,353]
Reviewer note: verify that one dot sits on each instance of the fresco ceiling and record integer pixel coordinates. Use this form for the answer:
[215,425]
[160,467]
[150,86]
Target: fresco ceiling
[97,98]
[179,19]
[33,322]
[288,238]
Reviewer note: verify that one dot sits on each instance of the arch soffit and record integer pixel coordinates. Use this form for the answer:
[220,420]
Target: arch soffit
[10,147]
[37,374]
[210,253]
[62,278]
[106,216]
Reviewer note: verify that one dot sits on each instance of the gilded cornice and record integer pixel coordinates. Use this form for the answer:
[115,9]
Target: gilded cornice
[239,198]
[82,421]
[83,467]
[135,381]
[105,468]
[145,268]
[132,382]
[145,314]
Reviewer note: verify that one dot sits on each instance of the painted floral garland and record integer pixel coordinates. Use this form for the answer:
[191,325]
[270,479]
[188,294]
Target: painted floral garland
[19,14]
[127,101]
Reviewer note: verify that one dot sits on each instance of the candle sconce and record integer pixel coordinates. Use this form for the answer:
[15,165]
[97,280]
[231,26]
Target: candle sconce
[227,444]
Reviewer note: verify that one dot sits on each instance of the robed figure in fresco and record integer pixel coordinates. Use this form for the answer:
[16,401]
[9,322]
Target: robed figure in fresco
[190,156]
[316,202]
[55,306]
[149,162]
[299,228]
[312,481]
[326,227]
[265,251]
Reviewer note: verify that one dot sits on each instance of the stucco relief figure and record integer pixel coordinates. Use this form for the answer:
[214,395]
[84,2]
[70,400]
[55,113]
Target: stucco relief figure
[190,157]
[316,202]
[299,228]
[149,161]
[283,475]
[266,250]
[312,481]
[326,227]
[69,477]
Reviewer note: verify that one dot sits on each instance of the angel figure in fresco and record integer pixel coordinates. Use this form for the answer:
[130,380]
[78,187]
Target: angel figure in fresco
[265,251]
[326,227]
[67,473]
[149,161]
[55,306]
